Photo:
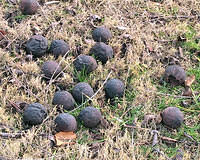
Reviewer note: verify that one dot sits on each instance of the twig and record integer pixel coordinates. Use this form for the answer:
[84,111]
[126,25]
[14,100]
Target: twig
[155,137]
[16,106]
[174,17]
[4,37]
[12,135]
[136,127]
[188,110]
[158,151]
[93,94]
[10,42]
[175,96]
[52,2]
[168,139]
[191,138]
[132,136]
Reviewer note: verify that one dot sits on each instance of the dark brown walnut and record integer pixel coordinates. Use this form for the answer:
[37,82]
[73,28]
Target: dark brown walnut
[34,114]
[37,46]
[59,48]
[65,122]
[85,63]
[90,117]
[174,75]
[114,88]
[81,91]
[101,34]
[29,7]
[172,117]
[102,52]
[64,99]
[51,69]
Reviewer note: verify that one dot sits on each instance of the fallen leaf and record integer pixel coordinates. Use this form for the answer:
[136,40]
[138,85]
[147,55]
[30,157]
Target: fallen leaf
[187,91]
[148,118]
[158,118]
[189,80]
[104,123]
[64,138]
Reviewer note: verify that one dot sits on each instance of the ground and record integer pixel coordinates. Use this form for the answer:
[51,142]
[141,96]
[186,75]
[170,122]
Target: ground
[147,37]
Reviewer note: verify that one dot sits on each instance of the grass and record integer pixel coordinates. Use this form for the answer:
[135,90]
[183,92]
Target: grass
[152,33]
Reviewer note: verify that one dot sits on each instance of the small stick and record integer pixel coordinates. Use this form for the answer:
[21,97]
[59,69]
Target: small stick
[188,110]
[52,2]
[11,135]
[191,138]
[155,137]
[16,106]
[175,96]
[4,37]
[168,139]
[158,151]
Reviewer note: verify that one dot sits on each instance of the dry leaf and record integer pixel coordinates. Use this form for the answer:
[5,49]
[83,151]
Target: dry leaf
[158,119]
[189,80]
[104,123]
[65,138]
[187,92]
[148,118]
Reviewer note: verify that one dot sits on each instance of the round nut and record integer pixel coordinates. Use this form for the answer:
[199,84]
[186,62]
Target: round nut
[85,63]
[28,7]
[90,117]
[102,52]
[172,117]
[114,88]
[59,48]
[51,68]
[65,99]
[37,45]
[65,123]
[34,114]
[175,75]
[101,34]
[81,91]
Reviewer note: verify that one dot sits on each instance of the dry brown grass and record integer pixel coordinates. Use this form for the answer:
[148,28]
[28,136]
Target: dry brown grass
[139,68]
